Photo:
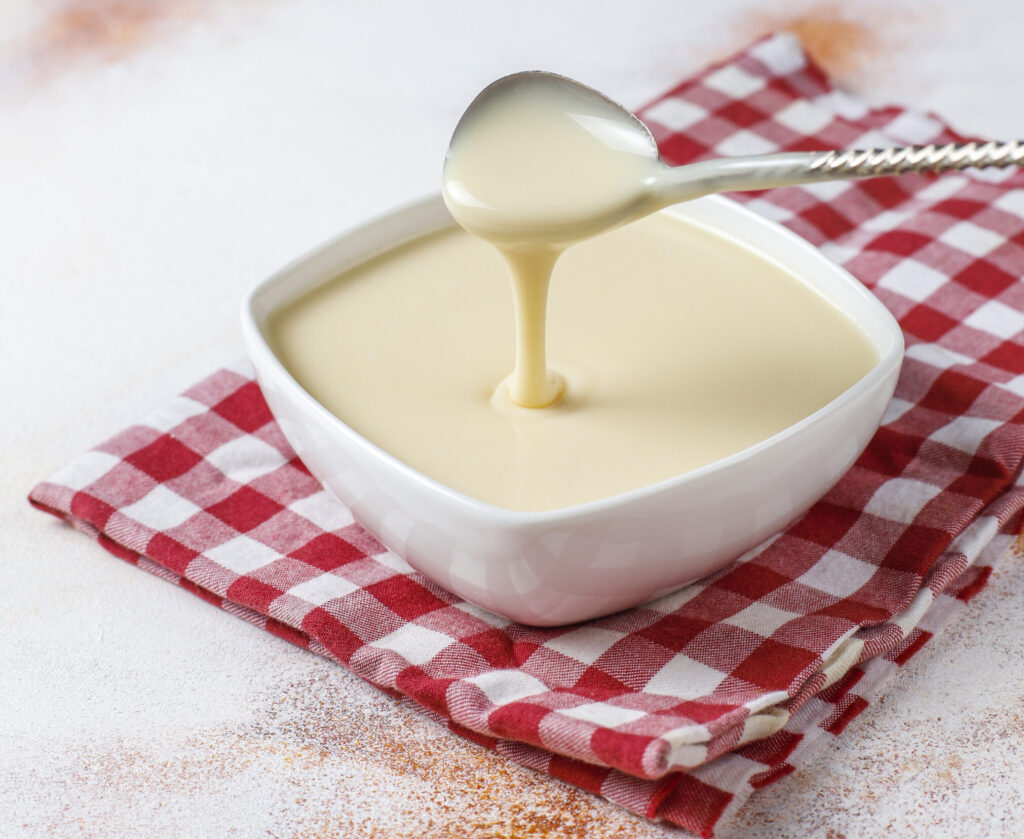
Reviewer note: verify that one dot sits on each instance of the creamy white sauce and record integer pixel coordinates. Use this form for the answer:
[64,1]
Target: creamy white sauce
[678,347]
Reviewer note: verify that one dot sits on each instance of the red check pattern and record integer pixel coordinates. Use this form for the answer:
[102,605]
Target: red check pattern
[682,707]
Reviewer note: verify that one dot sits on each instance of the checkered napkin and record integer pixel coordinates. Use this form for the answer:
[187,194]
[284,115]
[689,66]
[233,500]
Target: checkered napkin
[680,708]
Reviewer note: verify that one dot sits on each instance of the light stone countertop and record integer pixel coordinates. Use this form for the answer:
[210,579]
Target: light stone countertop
[157,157]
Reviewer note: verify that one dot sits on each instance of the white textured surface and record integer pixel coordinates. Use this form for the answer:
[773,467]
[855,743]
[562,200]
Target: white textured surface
[155,164]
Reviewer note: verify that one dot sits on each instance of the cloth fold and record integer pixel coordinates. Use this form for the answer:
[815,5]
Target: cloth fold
[678,709]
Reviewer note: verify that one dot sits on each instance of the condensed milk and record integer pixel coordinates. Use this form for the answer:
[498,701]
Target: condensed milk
[678,347]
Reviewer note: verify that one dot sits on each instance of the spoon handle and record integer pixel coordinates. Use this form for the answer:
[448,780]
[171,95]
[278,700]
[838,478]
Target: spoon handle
[765,171]
[867,163]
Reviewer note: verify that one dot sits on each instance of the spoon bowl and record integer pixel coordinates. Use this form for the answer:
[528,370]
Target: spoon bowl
[538,158]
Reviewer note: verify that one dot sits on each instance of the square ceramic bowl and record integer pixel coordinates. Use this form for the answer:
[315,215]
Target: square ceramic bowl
[562,566]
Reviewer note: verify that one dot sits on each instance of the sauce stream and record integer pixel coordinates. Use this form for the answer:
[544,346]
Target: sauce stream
[535,168]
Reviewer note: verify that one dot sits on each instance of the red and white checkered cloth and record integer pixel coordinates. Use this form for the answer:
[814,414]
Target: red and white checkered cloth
[680,708]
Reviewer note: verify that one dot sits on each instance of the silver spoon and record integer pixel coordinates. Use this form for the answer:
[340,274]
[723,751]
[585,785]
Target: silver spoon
[670,185]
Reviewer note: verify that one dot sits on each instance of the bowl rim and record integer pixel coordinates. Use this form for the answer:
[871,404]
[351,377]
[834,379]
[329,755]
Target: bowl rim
[256,341]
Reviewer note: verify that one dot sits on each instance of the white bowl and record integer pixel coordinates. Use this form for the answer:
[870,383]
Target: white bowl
[561,566]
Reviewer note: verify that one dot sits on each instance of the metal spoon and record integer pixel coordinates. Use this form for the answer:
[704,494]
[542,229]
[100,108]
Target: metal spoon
[670,185]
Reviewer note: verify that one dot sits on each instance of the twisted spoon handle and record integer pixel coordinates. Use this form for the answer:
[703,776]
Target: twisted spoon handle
[866,163]
[726,174]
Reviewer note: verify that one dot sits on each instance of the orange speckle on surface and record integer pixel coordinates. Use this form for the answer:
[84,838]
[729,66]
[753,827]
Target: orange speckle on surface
[843,40]
[839,46]
[320,768]
[107,29]
[72,33]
